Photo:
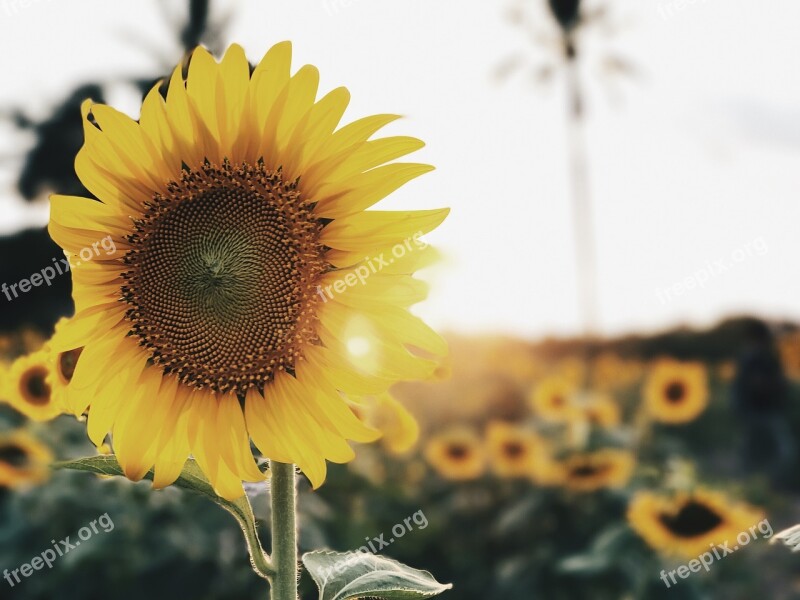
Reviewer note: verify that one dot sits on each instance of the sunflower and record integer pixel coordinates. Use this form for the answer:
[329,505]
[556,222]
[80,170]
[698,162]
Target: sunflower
[676,392]
[385,413]
[24,460]
[573,369]
[456,454]
[546,470]
[686,524]
[609,371]
[552,399]
[229,283]
[62,370]
[607,468]
[28,387]
[512,449]
[726,371]
[5,376]
[601,410]
[789,347]
[514,359]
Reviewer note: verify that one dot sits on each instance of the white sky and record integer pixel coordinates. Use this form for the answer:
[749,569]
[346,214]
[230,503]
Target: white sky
[697,161]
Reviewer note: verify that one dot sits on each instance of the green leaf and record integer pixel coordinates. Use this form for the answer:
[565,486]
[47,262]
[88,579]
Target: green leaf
[193,480]
[348,575]
[607,549]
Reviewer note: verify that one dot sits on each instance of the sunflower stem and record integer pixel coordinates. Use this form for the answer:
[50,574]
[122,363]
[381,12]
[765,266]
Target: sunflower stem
[284,532]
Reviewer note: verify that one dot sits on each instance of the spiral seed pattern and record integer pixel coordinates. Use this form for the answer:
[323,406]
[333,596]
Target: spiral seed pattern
[221,277]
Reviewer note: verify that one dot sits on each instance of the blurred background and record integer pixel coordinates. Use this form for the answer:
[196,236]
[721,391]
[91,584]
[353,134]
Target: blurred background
[617,289]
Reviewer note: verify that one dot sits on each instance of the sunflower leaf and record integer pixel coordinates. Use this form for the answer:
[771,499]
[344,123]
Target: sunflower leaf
[193,480]
[349,575]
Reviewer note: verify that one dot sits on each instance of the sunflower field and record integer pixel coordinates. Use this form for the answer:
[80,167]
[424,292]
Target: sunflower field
[258,340]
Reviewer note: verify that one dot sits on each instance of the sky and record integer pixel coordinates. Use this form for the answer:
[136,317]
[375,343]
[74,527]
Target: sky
[694,159]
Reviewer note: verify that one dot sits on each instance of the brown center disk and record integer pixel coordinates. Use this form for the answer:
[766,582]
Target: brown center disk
[457,451]
[13,455]
[513,449]
[694,518]
[34,386]
[221,279]
[589,470]
[675,392]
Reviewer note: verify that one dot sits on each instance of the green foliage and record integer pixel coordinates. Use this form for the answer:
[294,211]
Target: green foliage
[192,480]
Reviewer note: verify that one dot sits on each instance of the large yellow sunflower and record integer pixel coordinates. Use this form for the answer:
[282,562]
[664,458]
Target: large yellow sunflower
[229,283]
[686,524]
[676,392]
[24,460]
[28,387]
[456,454]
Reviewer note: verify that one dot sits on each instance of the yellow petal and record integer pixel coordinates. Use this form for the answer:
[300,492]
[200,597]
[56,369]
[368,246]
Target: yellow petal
[362,191]
[370,230]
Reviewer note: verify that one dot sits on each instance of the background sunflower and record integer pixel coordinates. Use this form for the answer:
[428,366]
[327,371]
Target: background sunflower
[456,454]
[687,524]
[24,460]
[676,392]
[29,388]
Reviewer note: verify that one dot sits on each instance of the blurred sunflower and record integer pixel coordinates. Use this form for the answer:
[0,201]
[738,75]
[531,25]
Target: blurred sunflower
[399,430]
[676,392]
[24,460]
[456,454]
[789,347]
[31,340]
[609,371]
[687,523]
[62,370]
[607,468]
[5,376]
[726,371]
[229,303]
[552,399]
[512,449]
[573,370]
[601,410]
[28,387]
[513,359]
[546,470]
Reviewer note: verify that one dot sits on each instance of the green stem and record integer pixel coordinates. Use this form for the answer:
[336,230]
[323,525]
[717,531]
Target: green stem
[284,532]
